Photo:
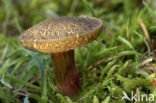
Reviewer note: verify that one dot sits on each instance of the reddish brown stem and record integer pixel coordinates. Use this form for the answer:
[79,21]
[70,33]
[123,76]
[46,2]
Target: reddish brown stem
[66,74]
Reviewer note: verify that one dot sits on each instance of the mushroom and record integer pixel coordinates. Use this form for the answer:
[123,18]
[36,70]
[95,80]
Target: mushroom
[59,36]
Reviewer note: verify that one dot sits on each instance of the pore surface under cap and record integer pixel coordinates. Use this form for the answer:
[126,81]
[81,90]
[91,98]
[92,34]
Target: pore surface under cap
[61,34]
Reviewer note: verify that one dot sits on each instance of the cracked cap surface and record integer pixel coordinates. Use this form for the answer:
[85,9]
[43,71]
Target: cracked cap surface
[61,34]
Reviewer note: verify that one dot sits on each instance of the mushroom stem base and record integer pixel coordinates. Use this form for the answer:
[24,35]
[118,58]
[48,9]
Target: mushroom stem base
[66,74]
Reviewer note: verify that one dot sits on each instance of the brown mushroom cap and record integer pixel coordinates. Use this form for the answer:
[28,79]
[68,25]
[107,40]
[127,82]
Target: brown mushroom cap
[61,34]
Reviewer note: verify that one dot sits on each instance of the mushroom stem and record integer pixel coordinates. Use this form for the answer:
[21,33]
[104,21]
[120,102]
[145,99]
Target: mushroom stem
[66,74]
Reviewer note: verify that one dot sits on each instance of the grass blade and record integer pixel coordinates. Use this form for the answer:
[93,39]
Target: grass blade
[89,7]
[43,77]
[15,79]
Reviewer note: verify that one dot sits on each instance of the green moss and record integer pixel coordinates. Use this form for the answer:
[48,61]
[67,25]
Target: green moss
[120,51]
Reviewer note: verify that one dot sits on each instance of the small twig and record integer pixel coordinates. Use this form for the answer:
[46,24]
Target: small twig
[6,88]
[137,94]
[35,79]
[144,29]
[115,97]
[21,94]
[26,89]
[109,34]
[147,61]
[100,61]
[147,37]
